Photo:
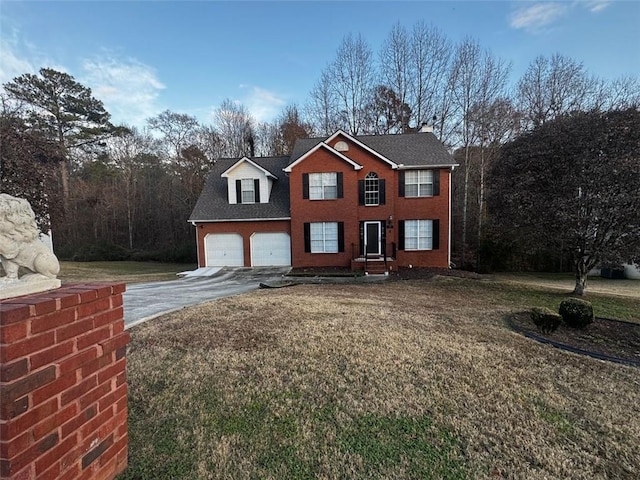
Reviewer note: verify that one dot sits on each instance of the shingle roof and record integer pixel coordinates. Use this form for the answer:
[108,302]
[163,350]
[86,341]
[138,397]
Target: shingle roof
[213,202]
[409,149]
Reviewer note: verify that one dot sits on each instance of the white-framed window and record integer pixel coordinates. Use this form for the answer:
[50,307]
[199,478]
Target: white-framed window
[324,237]
[418,234]
[323,186]
[247,186]
[371,189]
[418,183]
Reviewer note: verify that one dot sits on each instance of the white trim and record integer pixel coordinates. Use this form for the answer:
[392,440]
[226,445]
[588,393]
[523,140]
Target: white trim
[402,166]
[355,165]
[393,164]
[218,220]
[225,174]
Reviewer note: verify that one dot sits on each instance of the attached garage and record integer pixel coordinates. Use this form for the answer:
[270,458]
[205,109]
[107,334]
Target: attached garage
[270,249]
[224,250]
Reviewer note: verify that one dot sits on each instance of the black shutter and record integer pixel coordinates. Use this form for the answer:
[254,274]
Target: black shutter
[401,183]
[341,236]
[401,235]
[436,183]
[339,184]
[361,238]
[307,237]
[382,189]
[305,185]
[256,186]
[238,191]
[435,242]
[360,192]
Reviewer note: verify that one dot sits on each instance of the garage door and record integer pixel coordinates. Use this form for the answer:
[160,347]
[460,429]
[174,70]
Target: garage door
[224,250]
[270,249]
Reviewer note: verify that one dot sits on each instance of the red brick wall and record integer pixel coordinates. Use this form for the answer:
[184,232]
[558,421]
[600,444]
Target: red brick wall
[246,229]
[346,209]
[63,390]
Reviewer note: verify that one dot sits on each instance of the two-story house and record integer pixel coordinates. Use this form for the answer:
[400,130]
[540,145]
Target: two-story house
[372,202]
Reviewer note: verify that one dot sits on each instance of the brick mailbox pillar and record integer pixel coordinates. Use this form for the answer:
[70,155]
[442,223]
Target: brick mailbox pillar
[63,390]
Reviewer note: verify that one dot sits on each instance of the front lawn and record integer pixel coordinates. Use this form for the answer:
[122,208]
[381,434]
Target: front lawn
[408,379]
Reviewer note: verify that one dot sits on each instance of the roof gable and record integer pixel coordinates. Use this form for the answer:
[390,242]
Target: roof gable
[227,172]
[356,166]
[361,145]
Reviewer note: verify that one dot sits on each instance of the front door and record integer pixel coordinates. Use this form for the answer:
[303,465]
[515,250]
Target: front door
[372,238]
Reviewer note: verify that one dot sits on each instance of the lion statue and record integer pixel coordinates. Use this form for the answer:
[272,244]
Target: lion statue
[20,244]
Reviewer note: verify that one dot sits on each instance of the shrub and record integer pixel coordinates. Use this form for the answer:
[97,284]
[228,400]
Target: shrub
[576,313]
[546,320]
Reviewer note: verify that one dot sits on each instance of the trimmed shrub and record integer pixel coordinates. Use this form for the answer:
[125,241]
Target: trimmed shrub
[546,320]
[576,313]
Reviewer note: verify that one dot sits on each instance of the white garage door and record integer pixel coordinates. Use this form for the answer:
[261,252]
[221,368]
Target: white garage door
[224,250]
[270,249]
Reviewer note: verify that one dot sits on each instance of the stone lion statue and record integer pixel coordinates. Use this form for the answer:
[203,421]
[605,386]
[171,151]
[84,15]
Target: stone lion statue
[20,244]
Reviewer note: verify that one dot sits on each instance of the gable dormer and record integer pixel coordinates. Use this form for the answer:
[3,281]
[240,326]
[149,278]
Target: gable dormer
[248,182]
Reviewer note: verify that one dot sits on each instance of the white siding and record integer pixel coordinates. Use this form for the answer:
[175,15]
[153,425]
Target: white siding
[246,170]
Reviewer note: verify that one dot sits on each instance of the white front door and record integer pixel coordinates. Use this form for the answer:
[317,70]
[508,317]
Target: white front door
[372,238]
[224,250]
[270,249]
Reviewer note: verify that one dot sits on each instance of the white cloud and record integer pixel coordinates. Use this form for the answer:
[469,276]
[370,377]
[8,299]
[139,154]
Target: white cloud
[534,17]
[128,88]
[596,6]
[263,104]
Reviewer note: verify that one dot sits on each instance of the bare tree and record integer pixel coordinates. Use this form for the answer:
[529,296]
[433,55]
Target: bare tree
[553,86]
[235,126]
[477,80]
[396,71]
[178,130]
[430,89]
[353,75]
[322,106]
[124,152]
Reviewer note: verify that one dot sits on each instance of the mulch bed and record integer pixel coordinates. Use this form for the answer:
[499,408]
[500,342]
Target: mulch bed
[607,339]
[423,273]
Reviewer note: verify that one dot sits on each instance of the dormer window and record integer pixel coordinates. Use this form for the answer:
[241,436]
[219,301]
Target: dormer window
[248,190]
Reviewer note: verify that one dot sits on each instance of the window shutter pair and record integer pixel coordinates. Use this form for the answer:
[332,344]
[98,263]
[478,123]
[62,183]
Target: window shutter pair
[435,231]
[305,185]
[256,191]
[436,183]
[382,192]
[307,237]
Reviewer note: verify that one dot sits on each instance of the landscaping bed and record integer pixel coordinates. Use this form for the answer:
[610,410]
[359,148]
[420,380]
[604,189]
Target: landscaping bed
[605,337]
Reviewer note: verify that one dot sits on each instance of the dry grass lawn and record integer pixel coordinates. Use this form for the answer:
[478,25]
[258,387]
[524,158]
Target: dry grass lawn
[414,379]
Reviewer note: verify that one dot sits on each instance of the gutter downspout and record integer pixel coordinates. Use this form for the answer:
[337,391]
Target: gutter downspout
[197,245]
[450,222]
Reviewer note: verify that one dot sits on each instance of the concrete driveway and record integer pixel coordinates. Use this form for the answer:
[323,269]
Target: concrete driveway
[144,301]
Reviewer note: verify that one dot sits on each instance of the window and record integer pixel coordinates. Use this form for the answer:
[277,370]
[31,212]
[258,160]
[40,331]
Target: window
[418,183]
[323,186]
[248,192]
[371,189]
[324,237]
[418,234]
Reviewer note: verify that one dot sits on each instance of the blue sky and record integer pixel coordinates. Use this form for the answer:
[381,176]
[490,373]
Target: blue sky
[142,57]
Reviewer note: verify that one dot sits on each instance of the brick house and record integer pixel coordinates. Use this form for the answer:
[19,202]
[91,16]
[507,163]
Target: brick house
[366,202]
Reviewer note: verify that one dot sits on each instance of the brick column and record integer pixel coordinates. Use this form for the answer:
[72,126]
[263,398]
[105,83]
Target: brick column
[63,390]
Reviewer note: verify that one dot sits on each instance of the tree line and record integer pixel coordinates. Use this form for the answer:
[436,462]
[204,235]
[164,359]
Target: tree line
[114,191]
